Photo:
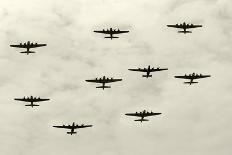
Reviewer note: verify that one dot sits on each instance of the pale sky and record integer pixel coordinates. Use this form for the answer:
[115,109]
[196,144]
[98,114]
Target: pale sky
[195,120]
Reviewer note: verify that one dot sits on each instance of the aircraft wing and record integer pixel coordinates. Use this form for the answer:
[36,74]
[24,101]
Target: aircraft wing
[23,99]
[184,77]
[83,126]
[201,76]
[63,126]
[118,32]
[40,100]
[104,32]
[37,45]
[192,26]
[139,70]
[175,26]
[111,32]
[19,46]
[134,114]
[112,80]
[104,80]
[158,69]
[95,81]
[151,114]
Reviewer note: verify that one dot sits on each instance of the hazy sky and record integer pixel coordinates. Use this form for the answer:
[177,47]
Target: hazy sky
[195,120]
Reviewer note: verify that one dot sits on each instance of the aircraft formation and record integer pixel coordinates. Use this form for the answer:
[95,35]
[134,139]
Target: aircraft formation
[106,80]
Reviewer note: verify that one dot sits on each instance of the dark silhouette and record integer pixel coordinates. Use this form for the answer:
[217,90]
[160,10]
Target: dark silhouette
[148,70]
[142,114]
[72,127]
[28,45]
[31,100]
[111,32]
[104,80]
[191,77]
[184,26]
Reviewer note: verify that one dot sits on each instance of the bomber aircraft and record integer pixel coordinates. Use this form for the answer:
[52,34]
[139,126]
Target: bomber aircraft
[142,114]
[192,77]
[28,45]
[184,26]
[103,80]
[111,32]
[31,100]
[148,70]
[73,127]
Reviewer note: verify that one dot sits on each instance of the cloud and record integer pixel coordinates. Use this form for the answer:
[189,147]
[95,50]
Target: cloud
[194,120]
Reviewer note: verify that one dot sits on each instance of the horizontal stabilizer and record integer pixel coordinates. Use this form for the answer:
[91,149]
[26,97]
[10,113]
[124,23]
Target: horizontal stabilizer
[141,120]
[32,105]
[71,133]
[28,52]
[184,32]
[190,83]
[147,76]
[103,87]
[111,37]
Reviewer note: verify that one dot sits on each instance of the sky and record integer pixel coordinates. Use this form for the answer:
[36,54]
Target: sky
[195,119]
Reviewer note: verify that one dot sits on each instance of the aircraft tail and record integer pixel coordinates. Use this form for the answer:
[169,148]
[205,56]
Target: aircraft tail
[190,83]
[28,52]
[141,120]
[103,87]
[184,32]
[71,133]
[33,105]
[147,76]
[111,37]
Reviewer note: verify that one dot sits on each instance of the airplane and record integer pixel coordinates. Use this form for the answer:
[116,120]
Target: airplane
[104,80]
[142,114]
[28,45]
[111,32]
[148,70]
[31,100]
[184,26]
[191,77]
[73,127]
